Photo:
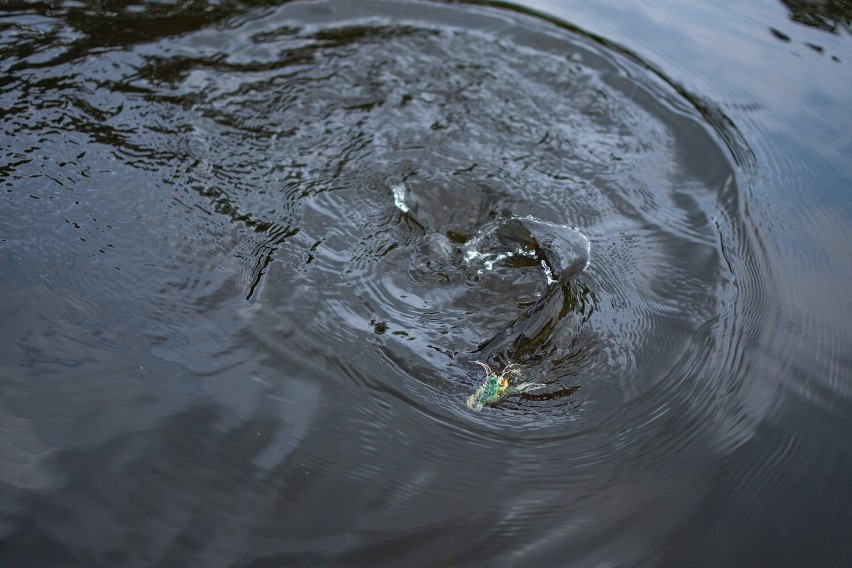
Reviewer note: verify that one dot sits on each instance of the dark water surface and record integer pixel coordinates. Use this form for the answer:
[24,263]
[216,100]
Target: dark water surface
[239,325]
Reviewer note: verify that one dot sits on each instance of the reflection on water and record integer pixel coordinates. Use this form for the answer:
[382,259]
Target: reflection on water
[251,255]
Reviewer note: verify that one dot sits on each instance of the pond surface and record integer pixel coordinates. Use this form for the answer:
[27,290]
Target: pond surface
[246,284]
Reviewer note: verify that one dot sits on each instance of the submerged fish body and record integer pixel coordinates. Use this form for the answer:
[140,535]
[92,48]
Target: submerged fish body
[561,251]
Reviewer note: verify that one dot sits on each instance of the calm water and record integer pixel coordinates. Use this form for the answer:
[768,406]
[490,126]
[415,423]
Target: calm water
[239,326]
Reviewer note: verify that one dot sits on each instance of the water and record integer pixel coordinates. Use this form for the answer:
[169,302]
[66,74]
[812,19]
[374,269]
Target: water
[241,313]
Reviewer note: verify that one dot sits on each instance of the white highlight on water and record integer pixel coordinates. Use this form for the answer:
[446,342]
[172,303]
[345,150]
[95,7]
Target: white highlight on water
[490,259]
[399,197]
[548,273]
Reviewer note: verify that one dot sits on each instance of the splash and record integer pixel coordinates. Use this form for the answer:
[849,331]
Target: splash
[399,192]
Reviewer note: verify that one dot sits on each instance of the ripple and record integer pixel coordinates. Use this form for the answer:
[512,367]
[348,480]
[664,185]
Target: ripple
[324,168]
[419,109]
[303,125]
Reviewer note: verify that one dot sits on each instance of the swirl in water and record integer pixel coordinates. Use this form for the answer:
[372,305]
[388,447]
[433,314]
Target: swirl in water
[561,251]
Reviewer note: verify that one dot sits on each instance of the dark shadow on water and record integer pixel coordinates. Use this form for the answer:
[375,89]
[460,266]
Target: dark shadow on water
[833,16]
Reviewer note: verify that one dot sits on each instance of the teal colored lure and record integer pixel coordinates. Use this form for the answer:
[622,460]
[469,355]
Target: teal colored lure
[497,387]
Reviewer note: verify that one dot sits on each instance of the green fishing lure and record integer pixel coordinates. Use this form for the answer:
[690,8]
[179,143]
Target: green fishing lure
[497,387]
